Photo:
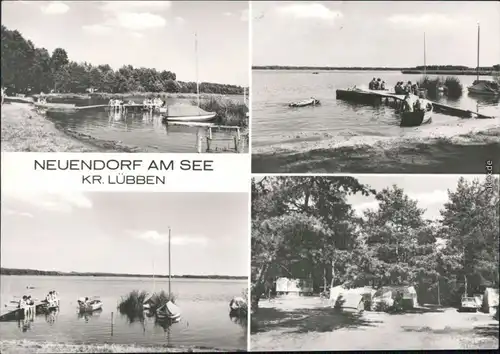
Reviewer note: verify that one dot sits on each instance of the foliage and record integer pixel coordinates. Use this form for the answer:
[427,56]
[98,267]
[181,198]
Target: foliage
[229,112]
[451,85]
[303,227]
[27,69]
[339,302]
[133,302]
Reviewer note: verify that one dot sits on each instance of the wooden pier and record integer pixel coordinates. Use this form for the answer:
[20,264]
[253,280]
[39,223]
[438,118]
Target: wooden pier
[375,98]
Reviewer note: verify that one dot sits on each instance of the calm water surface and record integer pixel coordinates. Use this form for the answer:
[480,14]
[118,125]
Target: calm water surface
[363,132]
[204,303]
[141,131]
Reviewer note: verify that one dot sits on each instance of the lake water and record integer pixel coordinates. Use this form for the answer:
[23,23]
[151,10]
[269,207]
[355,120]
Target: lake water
[339,136]
[138,131]
[204,303]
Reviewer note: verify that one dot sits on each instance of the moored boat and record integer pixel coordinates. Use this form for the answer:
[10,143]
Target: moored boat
[88,305]
[310,102]
[192,118]
[169,311]
[18,99]
[484,87]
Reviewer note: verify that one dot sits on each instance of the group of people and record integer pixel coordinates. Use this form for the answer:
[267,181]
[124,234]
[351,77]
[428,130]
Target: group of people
[115,103]
[376,84]
[402,89]
[153,102]
[52,299]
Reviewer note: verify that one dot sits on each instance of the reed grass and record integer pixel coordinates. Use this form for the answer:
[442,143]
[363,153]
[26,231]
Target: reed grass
[132,304]
[453,88]
[229,111]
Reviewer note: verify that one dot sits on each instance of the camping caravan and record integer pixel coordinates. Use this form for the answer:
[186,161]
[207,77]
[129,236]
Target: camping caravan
[285,286]
[490,300]
[387,294]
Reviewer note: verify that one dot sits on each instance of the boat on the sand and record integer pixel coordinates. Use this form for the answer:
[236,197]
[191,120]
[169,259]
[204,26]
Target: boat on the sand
[304,103]
[169,311]
[89,305]
[417,117]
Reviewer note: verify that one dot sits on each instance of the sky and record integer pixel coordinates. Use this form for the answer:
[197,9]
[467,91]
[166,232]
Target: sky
[373,33]
[153,34]
[126,232]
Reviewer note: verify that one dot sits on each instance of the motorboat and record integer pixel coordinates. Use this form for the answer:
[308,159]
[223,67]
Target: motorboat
[89,305]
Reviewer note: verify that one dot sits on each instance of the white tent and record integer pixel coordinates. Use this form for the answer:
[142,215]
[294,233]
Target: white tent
[490,300]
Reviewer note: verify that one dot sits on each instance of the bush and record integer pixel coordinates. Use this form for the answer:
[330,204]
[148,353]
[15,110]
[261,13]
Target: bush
[132,303]
[451,85]
[382,306]
[229,112]
[454,88]
[339,302]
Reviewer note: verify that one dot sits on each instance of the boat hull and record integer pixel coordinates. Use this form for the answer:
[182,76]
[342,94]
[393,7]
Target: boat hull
[169,311]
[91,307]
[198,118]
[311,102]
[17,99]
[415,119]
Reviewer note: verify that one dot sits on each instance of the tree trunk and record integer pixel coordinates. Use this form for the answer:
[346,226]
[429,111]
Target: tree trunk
[333,273]
[324,279]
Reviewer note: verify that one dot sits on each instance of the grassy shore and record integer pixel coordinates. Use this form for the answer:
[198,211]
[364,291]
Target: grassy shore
[24,130]
[229,112]
[25,346]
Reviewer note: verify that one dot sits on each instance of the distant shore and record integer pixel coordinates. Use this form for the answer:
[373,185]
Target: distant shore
[451,71]
[20,272]
[25,346]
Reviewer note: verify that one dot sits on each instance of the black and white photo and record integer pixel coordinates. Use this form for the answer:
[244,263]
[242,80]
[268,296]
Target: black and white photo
[123,272]
[380,262]
[375,87]
[125,76]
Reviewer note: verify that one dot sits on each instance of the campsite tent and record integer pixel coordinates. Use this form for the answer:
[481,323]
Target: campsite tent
[387,294]
[490,300]
[352,299]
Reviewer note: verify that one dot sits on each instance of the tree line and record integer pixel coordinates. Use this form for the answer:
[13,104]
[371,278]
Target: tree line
[303,227]
[28,69]
[16,271]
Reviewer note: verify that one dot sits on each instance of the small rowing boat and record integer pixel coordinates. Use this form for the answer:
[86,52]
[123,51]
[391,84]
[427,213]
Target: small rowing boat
[304,103]
[86,305]
[169,311]
[192,118]
[417,117]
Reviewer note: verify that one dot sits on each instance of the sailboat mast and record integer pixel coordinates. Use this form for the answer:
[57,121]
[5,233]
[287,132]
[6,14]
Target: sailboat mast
[478,36]
[425,59]
[154,282]
[197,78]
[169,264]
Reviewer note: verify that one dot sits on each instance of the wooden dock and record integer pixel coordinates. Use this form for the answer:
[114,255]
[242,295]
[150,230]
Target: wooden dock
[11,313]
[378,97]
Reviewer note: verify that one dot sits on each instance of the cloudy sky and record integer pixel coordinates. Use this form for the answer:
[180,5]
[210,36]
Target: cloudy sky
[367,33]
[155,34]
[126,232]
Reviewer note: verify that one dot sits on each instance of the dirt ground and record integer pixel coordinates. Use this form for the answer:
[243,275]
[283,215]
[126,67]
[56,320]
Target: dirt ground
[312,324]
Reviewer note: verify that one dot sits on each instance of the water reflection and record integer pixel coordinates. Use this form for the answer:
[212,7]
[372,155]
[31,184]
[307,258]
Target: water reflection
[239,320]
[86,316]
[51,316]
[25,324]
[484,100]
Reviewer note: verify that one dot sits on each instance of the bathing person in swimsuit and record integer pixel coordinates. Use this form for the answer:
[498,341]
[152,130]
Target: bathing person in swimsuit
[371,85]
[407,103]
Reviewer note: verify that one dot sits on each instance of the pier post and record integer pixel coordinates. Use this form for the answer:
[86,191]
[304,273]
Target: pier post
[199,142]
[210,132]
[209,140]
[236,144]
[112,323]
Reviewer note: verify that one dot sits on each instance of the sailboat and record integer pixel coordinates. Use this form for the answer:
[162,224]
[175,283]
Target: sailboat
[482,87]
[169,311]
[200,117]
